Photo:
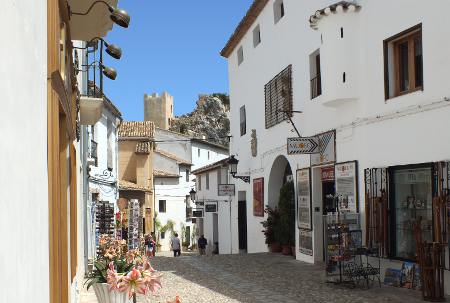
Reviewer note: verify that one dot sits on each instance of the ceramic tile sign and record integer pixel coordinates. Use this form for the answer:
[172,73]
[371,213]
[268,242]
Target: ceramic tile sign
[305,242]
[327,149]
[347,186]
[226,190]
[304,198]
[258,197]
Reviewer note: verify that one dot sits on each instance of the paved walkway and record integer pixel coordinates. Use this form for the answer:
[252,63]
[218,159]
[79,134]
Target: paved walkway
[258,278]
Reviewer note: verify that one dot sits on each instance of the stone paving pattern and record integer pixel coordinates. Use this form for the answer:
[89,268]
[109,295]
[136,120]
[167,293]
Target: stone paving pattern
[258,278]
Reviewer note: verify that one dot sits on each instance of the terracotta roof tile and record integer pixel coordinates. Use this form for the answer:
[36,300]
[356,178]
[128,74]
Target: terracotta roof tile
[164,174]
[333,8]
[126,185]
[137,129]
[144,147]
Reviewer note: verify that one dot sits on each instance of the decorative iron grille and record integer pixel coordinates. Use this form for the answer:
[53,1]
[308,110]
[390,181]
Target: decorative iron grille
[278,98]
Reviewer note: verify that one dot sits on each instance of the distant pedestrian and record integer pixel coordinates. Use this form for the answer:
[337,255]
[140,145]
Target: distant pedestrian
[202,242]
[176,245]
[150,246]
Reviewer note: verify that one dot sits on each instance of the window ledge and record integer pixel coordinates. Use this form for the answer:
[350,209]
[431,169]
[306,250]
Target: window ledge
[414,92]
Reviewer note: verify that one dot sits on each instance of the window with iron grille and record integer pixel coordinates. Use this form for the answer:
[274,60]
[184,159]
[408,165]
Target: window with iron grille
[278,95]
[243,120]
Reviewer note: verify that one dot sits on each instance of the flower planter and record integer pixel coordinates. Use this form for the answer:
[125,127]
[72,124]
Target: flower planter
[105,296]
[275,248]
[286,250]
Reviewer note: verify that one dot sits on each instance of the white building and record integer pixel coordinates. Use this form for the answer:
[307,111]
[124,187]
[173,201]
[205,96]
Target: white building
[101,158]
[219,209]
[371,73]
[174,158]
[40,158]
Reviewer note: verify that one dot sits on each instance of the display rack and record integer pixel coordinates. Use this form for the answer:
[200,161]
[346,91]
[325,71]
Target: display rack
[343,237]
[133,224]
[104,217]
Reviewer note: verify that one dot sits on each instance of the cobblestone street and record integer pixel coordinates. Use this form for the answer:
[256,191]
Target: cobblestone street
[258,278]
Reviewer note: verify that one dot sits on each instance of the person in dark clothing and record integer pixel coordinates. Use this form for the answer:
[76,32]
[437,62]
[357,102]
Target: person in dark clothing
[202,242]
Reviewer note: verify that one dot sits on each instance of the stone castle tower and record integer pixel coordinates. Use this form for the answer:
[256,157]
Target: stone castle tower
[159,109]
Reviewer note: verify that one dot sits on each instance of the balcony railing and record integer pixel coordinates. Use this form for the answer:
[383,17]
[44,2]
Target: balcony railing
[93,152]
[316,86]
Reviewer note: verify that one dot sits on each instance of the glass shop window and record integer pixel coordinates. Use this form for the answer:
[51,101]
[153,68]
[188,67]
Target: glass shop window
[413,205]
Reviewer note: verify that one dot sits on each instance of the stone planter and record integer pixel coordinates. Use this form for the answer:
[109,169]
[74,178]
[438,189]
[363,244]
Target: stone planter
[105,296]
[275,248]
[286,250]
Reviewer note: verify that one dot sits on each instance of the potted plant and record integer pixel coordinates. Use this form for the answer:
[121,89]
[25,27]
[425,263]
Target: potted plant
[271,229]
[286,207]
[119,274]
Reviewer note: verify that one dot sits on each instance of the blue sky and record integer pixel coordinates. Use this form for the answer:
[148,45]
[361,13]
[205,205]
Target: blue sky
[171,45]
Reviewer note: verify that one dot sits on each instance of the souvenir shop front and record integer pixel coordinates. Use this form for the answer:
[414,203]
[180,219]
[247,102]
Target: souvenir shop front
[384,225]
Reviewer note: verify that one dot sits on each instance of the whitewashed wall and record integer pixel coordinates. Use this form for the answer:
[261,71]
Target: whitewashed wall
[228,238]
[405,138]
[23,156]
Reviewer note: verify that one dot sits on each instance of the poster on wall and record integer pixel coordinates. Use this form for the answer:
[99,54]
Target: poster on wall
[258,197]
[327,149]
[347,186]
[305,242]
[304,198]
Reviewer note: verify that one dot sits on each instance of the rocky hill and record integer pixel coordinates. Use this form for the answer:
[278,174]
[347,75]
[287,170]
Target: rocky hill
[209,119]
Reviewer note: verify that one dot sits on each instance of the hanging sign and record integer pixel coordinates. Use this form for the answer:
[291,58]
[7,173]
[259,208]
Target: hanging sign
[197,213]
[305,242]
[211,208]
[347,186]
[304,198]
[301,146]
[328,173]
[226,190]
[327,149]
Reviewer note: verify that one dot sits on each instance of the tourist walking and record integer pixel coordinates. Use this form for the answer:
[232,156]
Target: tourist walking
[176,245]
[202,242]
[150,246]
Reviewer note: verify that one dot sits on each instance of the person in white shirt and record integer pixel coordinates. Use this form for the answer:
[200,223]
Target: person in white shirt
[176,246]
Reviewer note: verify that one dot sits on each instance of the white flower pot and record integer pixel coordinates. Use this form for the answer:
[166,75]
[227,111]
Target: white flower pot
[105,296]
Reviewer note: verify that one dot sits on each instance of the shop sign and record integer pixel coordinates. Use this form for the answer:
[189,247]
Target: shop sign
[211,208]
[305,242]
[227,190]
[347,186]
[197,213]
[327,149]
[328,173]
[303,145]
[304,198]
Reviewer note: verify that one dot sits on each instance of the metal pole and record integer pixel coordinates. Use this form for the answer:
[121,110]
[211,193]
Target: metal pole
[231,231]
[100,68]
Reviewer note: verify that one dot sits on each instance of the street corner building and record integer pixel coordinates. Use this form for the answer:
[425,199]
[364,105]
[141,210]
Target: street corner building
[348,101]
[45,108]
[136,149]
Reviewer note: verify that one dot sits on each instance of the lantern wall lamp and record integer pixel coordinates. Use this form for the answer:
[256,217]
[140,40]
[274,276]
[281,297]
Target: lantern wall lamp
[233,162]
[118,16]
[111,49]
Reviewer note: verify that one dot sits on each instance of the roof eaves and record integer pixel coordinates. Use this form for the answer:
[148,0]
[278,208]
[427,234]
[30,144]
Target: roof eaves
[244,25]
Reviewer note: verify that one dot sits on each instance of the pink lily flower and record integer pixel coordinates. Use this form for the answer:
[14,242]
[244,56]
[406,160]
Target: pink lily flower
[133,283]
[112,278]
[153,282]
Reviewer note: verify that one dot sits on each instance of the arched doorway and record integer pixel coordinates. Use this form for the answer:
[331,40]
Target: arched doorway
[280,174]
[281,195]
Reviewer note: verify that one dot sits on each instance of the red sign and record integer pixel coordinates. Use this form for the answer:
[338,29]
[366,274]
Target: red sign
[328,173]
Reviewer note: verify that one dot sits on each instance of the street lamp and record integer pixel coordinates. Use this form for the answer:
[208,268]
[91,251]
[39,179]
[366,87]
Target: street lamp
[233,162]
[109,72]
[118,16]
[192,193]
[111,49]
